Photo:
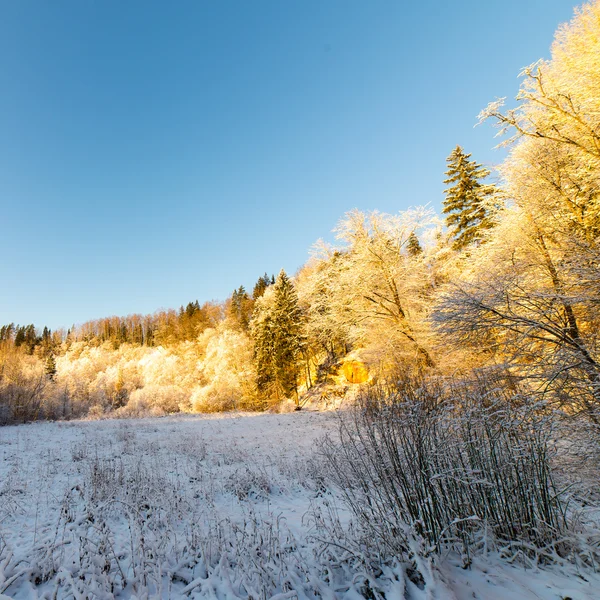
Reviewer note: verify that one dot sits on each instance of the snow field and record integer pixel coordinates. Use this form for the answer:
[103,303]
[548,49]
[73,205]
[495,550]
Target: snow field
[223,506]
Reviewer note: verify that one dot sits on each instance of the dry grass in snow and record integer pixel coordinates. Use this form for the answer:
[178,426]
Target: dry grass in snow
[227,506]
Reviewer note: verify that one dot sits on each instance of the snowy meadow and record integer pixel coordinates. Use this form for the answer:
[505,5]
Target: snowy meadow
[227,506]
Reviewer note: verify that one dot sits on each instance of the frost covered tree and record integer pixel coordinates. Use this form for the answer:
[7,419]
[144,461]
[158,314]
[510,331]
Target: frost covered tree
[468,199]
[381,290]
[228,377]
[531,294]
[319,291]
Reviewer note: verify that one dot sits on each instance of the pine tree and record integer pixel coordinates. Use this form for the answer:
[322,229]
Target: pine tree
[413,245]
[467,202]
[262,333]
[240,307]
[6,332]
[261,285]
[50,367]
[278,332]
[288,333]
[20,336]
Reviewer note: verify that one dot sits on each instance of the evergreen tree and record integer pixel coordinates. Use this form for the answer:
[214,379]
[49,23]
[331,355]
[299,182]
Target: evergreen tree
[6,332]
[261,285]
[262,333]
[20,336]
[288,333]
[240,307]
[467,203]
[413,245]
[50,367]
[278,332]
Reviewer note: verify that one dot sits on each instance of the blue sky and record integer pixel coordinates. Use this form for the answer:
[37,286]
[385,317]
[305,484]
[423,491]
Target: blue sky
[153,153]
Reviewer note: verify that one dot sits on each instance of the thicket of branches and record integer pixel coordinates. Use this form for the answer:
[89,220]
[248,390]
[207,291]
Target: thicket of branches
[462,465]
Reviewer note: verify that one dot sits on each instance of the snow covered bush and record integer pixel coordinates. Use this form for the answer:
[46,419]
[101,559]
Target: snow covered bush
[227,370]
[457,464]
[155,400]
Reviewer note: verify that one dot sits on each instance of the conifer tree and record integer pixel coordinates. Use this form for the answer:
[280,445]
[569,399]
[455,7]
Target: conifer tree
[288,333]
[262,333]
[240,307]
[467,199]
[278,333]
[261,285]
[6,332]
[19,336]
[413,245]
[50,366]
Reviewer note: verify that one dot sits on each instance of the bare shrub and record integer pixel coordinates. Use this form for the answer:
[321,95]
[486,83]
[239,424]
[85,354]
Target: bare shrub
[446,464]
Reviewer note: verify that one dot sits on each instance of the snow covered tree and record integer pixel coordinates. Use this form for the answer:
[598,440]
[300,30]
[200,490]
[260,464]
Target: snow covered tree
[228,376]
[530,297]
[320,295]
[380,291]
[468,199]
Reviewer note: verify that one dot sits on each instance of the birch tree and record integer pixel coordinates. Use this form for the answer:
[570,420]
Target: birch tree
[381,286]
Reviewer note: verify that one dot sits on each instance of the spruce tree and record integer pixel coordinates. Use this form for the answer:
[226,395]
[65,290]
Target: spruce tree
[50,366]
[413,245]
[278,332]
[261,285]
[240,307]
[262,333]
[20,336]
[288,333]
[467,199]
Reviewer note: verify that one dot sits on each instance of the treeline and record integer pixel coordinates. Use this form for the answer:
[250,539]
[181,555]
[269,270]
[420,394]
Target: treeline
[503,284]
[162,327]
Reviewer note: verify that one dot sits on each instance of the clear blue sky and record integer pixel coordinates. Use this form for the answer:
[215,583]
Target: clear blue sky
[152,153]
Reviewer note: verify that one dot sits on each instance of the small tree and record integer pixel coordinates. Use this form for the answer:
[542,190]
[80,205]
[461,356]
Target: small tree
[240,308]
[261,285]
[413,246]
[50,367]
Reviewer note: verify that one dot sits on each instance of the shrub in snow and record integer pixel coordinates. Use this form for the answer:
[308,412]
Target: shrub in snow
[446,465]
[96,412]
[156,398]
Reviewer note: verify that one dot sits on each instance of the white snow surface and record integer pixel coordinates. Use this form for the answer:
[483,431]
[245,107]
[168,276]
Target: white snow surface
[220,506]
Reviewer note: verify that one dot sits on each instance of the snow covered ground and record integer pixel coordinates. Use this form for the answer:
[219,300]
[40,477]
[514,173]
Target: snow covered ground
[224,506]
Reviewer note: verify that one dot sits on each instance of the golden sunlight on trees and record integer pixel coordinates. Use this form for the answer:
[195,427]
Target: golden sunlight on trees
[279,340]
[530,295]
[509,286]
[381,288]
